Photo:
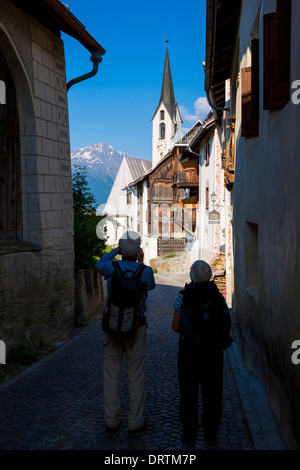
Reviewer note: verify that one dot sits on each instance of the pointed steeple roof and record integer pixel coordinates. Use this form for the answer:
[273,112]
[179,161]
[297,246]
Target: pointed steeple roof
[167,91]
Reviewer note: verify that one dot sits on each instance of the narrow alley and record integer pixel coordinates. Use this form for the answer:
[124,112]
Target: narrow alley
[57,403]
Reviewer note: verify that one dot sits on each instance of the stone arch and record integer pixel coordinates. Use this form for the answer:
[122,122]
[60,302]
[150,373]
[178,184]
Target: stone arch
[28,140]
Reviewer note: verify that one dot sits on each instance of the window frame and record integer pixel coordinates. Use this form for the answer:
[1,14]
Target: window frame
[162,130]
[207,154]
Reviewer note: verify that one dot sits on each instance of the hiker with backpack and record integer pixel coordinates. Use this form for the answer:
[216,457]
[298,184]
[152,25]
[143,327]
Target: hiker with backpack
[202,319]
[124,324]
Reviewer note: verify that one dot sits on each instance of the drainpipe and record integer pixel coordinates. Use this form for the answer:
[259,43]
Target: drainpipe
[217,108]
[96,58]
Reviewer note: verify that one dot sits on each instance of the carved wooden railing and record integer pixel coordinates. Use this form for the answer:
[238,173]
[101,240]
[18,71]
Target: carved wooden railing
[189,175]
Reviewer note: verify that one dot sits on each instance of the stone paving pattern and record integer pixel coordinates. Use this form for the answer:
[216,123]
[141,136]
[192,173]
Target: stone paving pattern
[57,403]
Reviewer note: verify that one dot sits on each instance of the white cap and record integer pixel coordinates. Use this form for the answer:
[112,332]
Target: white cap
[129,243]
[200,271]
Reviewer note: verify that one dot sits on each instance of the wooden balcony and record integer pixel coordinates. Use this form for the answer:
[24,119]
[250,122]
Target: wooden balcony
[186,178]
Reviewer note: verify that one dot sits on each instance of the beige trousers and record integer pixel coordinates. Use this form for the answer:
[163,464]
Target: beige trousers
[135,356]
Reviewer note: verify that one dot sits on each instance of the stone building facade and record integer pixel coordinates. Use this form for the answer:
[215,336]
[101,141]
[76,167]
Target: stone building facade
[36,239]
[259,45]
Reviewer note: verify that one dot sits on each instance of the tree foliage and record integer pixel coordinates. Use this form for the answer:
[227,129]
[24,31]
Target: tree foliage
[87,245]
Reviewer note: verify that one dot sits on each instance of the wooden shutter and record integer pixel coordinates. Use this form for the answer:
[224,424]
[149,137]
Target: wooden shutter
[255,81]
[283,40]
[276,93]
[249,126]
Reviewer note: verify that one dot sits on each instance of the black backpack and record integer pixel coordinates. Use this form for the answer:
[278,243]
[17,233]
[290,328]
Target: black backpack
[201,321]
[122,315]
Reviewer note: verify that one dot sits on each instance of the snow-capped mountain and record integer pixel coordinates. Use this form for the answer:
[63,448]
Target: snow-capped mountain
[102,163]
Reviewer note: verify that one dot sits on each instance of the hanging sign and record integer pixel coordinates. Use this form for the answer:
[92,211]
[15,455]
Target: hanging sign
[214,217]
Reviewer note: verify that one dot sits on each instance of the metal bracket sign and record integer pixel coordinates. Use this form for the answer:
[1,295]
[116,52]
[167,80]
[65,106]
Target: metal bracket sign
[214,217]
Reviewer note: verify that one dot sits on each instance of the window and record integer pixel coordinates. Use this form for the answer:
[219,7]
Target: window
[162,131]
[250,94]
[148,219]
[277,45]
[129,198]
[251,264]
[207,197]
[206,154]
[10,168]
[162,115]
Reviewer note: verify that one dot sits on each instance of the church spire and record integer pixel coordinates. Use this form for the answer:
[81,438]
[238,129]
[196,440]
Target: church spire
[167,91]
[166,121]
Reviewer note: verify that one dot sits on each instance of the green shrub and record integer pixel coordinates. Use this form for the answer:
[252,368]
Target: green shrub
[87,245]
[171,255]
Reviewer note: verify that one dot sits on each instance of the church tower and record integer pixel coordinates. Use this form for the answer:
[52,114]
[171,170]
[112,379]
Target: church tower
[166,121]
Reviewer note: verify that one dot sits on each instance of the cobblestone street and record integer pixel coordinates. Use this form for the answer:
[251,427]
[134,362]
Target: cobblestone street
[57,403]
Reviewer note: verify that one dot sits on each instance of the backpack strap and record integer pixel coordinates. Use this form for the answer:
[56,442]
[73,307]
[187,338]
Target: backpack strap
[135,275]
[138,274]
[139,271]
[117,268]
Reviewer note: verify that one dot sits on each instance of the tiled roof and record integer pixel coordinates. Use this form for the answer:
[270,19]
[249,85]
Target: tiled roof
[138,167]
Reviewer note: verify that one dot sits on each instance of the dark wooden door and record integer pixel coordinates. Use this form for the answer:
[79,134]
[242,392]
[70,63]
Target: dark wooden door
[10,177]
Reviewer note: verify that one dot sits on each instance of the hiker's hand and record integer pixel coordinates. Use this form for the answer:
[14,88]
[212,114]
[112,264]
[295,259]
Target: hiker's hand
[140,256]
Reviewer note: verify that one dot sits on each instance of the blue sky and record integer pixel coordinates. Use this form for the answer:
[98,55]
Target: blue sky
[116,106]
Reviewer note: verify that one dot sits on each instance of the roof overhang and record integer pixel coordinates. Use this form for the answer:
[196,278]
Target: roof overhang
[222,19]
[57,17]
[202,133]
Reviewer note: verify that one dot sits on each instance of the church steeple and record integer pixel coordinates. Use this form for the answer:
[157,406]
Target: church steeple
[167,91]
[166,121]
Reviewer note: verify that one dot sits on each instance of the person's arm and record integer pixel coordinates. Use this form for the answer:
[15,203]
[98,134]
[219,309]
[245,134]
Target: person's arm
[176,322]
[140,256]
[104,265]
[225,317]
[148,278]
[177,313]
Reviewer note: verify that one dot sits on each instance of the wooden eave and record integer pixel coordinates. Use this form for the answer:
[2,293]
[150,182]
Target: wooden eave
[57,17]
[202,134]
[221,30]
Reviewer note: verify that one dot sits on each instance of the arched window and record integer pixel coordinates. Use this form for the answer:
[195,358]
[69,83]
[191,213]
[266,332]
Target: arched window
[162,131]
[10,177]
[162,115]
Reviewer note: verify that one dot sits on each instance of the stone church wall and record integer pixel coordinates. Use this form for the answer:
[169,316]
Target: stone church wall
[36,275]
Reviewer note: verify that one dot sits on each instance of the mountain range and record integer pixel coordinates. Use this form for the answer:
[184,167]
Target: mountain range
[102,163]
